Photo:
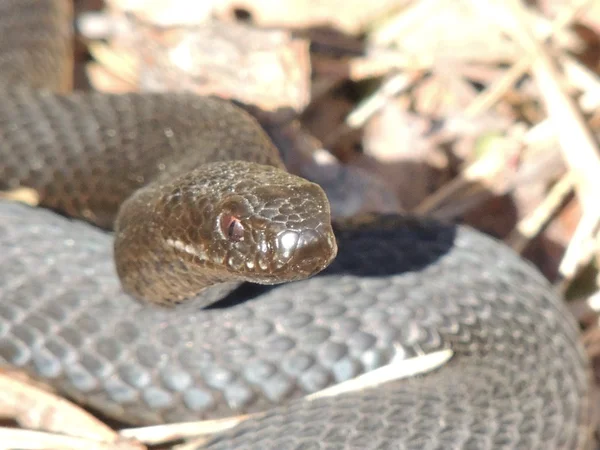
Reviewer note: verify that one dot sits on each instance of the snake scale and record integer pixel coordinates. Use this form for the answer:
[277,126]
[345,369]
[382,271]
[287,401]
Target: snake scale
[399,287]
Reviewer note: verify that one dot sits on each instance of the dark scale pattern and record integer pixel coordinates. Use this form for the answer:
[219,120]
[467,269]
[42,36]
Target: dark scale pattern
[518,378]
[81,152]
[32,30]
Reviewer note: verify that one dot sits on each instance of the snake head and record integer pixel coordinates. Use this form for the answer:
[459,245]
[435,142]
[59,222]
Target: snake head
[275,232]
[223,222]
[271,226]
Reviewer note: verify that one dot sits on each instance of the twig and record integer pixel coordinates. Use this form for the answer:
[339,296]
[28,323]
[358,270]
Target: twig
[371,105]
[494,91]
[406,19]
[577,143]
[530,226]
[388,89]
[581,247]
[584,79]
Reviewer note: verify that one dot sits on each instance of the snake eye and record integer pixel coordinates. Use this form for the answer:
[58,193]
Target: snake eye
[232,228]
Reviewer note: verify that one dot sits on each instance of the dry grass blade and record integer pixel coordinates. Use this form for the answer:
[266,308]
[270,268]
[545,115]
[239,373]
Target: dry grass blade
[530,226]
[417,12]
[388,89]
[23,195]
[35,408]
[122,65]
[390,372]
[495,91]
[582,78]
[581,249]
[579,148]
[159,434]
[11,438]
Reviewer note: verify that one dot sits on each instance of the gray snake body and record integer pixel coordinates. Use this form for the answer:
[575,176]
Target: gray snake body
[399,288]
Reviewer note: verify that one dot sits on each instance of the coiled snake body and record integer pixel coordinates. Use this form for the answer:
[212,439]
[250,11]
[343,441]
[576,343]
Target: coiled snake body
[398,288]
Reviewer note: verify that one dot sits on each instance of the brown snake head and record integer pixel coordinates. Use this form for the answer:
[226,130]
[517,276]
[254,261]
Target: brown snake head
[223,222]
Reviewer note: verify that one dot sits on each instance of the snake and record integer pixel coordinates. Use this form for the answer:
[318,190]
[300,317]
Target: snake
[175,271]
